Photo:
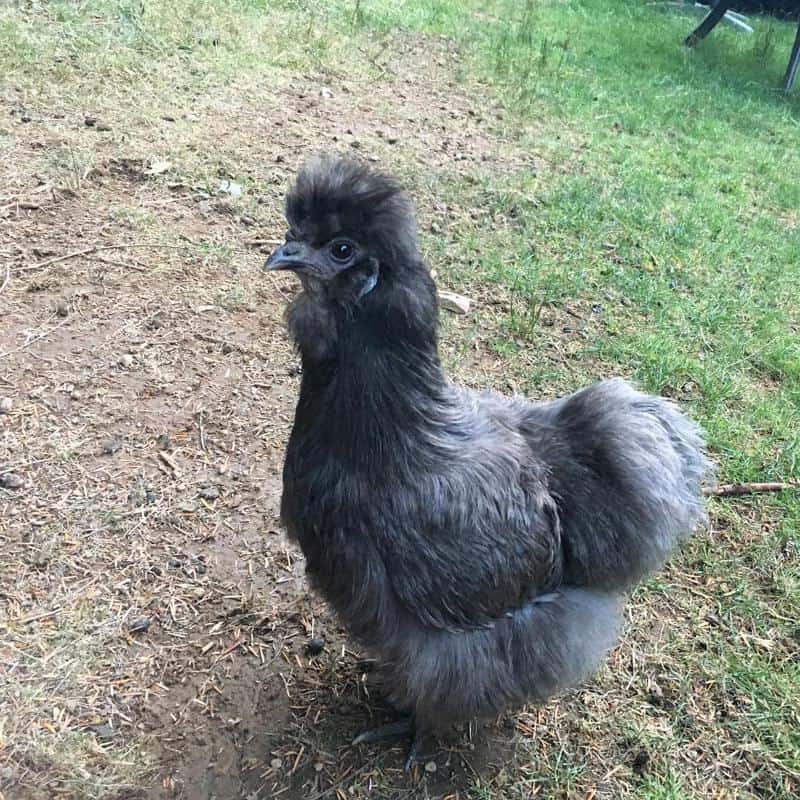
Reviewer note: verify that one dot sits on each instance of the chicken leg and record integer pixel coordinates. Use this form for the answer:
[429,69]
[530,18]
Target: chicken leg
[405,726]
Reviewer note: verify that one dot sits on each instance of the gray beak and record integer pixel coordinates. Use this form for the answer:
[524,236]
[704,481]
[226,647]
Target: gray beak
[291,256]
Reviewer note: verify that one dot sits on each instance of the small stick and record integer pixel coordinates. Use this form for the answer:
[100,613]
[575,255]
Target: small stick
[97,248]
[36,617]
[135,268]
[297,760]
[235,646]
[169,462]
[7,278]
[737,489]
[74,254]
[35,339]
[21,204]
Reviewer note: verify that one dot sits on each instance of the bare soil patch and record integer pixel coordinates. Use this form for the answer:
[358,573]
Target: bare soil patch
[156,624]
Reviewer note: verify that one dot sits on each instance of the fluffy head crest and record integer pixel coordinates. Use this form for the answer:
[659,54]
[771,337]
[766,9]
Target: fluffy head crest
[336,195]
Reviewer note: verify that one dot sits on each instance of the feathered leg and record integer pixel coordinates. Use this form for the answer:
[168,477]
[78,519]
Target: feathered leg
[391,730]
[407,726]
[419,749]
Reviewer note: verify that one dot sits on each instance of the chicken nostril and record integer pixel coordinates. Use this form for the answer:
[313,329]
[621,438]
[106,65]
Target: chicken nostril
[291,249]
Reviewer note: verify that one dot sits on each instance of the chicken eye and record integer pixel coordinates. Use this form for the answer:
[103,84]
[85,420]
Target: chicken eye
[342,251]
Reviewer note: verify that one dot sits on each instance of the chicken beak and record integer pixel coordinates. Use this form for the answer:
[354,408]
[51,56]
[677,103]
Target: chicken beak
[291,256]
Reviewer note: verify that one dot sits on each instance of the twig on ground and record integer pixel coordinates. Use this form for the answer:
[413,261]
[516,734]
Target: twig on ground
[165,457]
[97,248]
[35,338]
[737,489]
[235,646]
[37,617]
[21,204]
[135,267]
[22,464]
[6,279]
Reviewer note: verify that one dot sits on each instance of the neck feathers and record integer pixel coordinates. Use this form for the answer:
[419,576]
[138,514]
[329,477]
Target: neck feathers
[371,376]
[397,317]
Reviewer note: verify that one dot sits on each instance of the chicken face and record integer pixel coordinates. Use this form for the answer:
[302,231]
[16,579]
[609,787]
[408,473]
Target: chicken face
[323,261]
[339,268]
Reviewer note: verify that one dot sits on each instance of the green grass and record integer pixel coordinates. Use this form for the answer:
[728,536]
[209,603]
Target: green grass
[667,211]
[668,787]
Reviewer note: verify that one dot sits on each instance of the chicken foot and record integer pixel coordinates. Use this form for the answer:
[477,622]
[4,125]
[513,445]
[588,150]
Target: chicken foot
[405,726]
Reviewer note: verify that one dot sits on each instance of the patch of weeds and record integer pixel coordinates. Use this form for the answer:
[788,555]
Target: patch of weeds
[232,297]
[135,218]
[116,768]
[69,168]
[667,786]
[562,772]
[767,691]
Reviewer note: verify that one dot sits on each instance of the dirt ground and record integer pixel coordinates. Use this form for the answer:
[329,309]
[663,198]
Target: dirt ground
[149,589]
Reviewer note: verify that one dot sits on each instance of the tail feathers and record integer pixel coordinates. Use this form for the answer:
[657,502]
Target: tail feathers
[551,644]
[695,471]
[629,483]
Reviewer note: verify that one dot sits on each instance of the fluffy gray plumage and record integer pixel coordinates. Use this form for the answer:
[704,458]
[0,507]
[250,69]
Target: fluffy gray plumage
[478,545]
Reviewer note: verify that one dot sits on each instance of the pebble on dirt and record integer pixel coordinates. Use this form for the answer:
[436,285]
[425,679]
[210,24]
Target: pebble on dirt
[315,646]
[6,404]
[111,447]
[641,762]
[209,492]
[457,303]
[140,625]
[158,166]
[102,731]
[230,188]
[93,122]
[10,480]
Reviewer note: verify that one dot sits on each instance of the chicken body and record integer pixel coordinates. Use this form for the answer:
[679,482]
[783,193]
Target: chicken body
[478,545]
[482,555]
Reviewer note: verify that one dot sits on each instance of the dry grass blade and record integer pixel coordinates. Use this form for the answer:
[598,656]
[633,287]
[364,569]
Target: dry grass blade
[6,279]
[33,340]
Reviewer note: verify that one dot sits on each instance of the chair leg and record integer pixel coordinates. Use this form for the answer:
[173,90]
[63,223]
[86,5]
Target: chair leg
[794,63]
[708,24]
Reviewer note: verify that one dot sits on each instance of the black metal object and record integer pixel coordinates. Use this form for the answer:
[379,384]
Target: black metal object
[709,23]
[782,9]
[717,13]
[794,63]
